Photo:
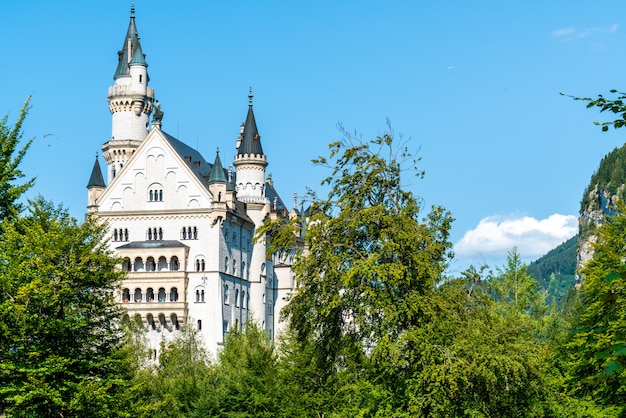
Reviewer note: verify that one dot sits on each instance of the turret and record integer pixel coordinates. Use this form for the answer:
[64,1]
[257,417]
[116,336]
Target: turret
[250,161]
[95,187]
[218,184]
[130,102]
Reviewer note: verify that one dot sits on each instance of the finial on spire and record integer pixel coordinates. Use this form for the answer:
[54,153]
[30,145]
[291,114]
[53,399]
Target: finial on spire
[250,97]
[96,155]
[218,151]
[132,9]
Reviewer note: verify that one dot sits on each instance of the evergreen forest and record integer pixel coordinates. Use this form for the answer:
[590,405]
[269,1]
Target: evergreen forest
[378,327]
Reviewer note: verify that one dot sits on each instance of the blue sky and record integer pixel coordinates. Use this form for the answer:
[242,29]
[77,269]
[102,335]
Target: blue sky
[474,85]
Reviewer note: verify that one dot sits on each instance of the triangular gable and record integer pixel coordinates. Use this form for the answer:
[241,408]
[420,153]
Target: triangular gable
[162,174]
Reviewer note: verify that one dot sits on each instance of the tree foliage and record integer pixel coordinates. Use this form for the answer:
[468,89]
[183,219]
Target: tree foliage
[616,105]
[58,321]
[597,350]
[10,159]
[387,333]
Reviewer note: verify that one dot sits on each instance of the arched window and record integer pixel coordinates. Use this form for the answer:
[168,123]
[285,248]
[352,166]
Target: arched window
[184,233]
[199,325]
[150,265]
[161,294]
[151,195]
[202,265]
[243,268]
[243,299]
[195,232]
[162,322]
[234,267]
[189,232]
[126,234]
[138,264]
[202,295]
[149,295]
[125,295]
[226,264]
[225,294]
[161,234]
[162,263]
[173,294]
[174,319]
[115,235]
[126,264]
[150,320]
[149,234]
[137,295]
[237,297]
[160,195]
[197,295]
[174,265]
[197,265]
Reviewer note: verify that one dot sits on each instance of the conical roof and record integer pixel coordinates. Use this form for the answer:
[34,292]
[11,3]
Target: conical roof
[217,172]
[96,179]
[129,47]
[251,141]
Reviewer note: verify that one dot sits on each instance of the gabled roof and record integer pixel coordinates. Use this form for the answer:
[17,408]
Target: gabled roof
[192,158]
[217,172]
[126,54]
[251,141]
[96,179]
[273,197]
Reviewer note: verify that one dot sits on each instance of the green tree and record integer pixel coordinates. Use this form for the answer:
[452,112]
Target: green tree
[173,386]
[10,159]
[370,261]
[59,334]
[516,290]
[616,105]
[245,380]
[597,352]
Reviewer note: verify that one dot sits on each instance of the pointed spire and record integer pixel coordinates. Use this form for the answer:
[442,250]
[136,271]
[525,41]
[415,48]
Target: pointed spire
[138,57]
[129,47]
[217,172]
[96,179]
[251,141]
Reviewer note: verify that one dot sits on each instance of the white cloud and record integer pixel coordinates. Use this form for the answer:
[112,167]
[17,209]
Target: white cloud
[571,33]
[494,236]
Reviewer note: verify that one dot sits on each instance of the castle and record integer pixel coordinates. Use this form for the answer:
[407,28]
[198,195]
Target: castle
[183,227]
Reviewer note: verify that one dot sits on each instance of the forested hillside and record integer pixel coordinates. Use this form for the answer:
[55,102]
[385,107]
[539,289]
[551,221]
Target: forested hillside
[556,271]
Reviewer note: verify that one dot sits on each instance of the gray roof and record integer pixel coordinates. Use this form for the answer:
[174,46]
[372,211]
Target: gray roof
[251,141]
[272,195]
[192,157]
[217,172]
[96,179]
[152,244]
[138,57]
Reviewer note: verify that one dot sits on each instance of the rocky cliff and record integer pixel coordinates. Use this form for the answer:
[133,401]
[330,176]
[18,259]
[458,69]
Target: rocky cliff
[606,186]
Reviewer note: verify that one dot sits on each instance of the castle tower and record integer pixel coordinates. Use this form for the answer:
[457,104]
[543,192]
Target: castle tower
[250,161]
[95,187]
[130,102]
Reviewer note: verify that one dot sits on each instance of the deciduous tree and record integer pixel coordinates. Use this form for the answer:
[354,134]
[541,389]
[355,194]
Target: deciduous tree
[59,334]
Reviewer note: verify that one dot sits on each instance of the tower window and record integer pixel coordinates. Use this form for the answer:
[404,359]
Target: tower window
[141,78]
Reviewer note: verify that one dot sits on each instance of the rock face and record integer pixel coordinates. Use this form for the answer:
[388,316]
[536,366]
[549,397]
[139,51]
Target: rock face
[607,185]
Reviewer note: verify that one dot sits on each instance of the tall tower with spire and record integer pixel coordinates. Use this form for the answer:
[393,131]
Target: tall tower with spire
[130,102]
[250,161]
